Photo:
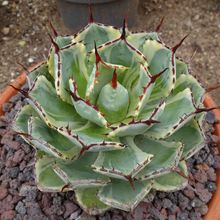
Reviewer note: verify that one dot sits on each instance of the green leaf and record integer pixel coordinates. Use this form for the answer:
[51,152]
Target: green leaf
[121,53]
[120,195]
[123,163]
[138,39]
[188,81]
[159,57]
[191,136]
[79,173]
[51,108]
[50,141]
[70,62]
[113,102]
[166,156]
[178,111]
[181,68]
[88,200]
[22,117]
[96,32]
[47,180]
[172,181]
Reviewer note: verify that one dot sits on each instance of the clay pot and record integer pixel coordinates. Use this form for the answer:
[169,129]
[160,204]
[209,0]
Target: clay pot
[214,205]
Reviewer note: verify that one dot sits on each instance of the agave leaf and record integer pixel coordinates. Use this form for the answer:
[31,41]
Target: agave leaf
[47,180]
[51,108]
[70,62]
[120,195]
[162,162]
[38,71]
[188,81]
[88,200]
[140,92]
[51,141]
[112,164]
[138,126]
[172,181]
[96,32]
[181,68]
[191,136]
[102,74]
[22,117]
[138,39]
[86,109]
[61,41]
[178,111]
[159,57]
[79,173]
[120,52]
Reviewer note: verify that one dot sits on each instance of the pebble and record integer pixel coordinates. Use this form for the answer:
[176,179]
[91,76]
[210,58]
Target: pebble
[4,3]
[8,215]
[5,30]
[20,208]
[29,192]
[3,192]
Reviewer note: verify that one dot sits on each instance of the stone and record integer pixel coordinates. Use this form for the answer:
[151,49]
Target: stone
[20,208]
[8,215]
[18,156]
[3,192]
[29,192]
[70,207]
[166,203]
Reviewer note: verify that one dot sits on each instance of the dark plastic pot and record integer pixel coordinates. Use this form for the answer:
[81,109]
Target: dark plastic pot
[75,13]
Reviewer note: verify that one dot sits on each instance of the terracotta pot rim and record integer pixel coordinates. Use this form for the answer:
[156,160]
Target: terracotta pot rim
[214,204]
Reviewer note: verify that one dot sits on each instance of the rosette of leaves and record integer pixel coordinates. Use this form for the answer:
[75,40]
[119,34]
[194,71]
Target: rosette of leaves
[112,115]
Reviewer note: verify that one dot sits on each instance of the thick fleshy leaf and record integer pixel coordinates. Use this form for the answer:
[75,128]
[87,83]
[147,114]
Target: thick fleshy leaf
[172,181]
[47,180]
[138,126]
[88,200]
[96,32]
[51,141]
[178,111]
[42,69]
[79,172]
[138,39]
[113,102]
[52,109]
[120,52]
[159,58]
[22,117]
[70,62]
[101,75]
[191,136]
[122,164]
[120,195]
[85,109]
[188,81]
[61,41]
[181,68]
[166,156]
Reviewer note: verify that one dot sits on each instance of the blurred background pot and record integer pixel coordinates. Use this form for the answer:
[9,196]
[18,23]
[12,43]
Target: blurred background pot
[75,12]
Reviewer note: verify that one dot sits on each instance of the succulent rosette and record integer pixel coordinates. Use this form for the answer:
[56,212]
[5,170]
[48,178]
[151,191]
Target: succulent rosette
[112,115]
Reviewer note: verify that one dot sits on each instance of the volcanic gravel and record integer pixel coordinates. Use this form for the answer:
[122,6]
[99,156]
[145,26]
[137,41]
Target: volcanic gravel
[21,200]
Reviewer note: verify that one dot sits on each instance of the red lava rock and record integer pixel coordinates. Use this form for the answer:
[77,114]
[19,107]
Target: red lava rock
[203,166]
[10,163]
[171,217]
[201,176]
[163,212]
[217,162]
[18,156]
[189,193]
[6,204]
[204,195]
[203,209]
[3,192]
[211,174]
[70,207]
[8,215]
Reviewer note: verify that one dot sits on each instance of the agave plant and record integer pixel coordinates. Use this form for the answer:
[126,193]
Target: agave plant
[112,115]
